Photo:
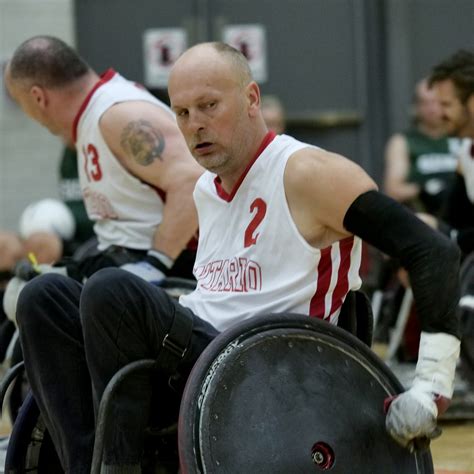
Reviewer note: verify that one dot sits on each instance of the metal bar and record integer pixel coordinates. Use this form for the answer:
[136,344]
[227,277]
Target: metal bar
[8,378]
[402,318]
[377,299]
[115,381]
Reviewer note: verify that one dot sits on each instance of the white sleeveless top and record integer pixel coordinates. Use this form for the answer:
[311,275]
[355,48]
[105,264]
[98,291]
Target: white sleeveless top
[126,210]
[251,258]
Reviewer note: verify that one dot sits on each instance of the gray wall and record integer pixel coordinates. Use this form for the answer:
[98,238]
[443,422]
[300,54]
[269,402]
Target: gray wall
[29,154]
[323,57]
[344,69]
[420,33]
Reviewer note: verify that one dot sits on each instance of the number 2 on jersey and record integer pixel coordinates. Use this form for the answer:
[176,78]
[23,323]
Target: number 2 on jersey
[251,236]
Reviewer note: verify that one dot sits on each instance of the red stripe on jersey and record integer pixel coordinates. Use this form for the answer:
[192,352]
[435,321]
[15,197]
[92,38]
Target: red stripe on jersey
[221,192]
[317,304]
[342,284]
[109,74]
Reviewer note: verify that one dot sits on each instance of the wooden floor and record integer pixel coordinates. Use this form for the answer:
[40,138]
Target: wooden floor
[453,452]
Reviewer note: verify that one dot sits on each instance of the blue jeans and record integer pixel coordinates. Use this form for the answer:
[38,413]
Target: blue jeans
[75,338]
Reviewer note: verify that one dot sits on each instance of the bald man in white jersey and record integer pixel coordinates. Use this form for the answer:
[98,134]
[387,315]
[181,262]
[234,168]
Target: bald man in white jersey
[280,228]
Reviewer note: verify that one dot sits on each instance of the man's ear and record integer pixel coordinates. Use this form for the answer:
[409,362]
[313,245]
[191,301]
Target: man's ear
[253,97]
[39,96]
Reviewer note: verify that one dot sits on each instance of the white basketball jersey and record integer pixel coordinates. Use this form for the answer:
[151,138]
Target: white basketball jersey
[251,258]
[126,210]
[462,148]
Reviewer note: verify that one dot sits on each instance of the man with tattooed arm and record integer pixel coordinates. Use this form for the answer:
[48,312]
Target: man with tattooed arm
[136,172]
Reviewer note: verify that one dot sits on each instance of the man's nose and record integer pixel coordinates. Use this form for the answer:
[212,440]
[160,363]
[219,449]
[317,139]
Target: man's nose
[196,120]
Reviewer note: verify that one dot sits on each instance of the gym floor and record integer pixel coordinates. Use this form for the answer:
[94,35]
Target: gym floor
[453,452]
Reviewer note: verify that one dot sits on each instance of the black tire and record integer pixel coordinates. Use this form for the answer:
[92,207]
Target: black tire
[30,450]
[287,393]
[20,386]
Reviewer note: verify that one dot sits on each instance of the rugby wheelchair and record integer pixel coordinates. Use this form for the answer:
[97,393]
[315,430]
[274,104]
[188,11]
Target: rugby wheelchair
[282,393]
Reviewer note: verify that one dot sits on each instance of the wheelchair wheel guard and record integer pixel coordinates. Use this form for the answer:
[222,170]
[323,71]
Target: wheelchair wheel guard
[286,393]
[30,449]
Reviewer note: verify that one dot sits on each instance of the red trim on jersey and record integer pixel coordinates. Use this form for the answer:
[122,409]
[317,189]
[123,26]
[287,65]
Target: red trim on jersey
[221,192]
[317,304]
[105,77]
[342,284]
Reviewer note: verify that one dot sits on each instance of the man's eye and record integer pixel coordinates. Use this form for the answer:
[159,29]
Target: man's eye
[211,105]
[182,113]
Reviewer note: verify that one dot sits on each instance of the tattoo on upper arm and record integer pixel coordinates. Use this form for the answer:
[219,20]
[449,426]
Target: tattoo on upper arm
[143,142]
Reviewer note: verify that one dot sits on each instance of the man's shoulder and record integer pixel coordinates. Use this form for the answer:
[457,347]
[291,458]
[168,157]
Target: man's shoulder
[289,146]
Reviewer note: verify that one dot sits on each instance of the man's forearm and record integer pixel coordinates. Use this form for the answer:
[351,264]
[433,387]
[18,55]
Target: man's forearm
[179,222]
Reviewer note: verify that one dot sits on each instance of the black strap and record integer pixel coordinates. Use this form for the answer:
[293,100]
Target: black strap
[175,343]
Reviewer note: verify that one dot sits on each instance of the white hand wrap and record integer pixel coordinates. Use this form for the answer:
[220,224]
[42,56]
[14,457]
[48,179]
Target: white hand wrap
[10,297]
[436,366]
[413,414]
[46,268]
[153,268]
[145,270]
[168,262]
[16,284]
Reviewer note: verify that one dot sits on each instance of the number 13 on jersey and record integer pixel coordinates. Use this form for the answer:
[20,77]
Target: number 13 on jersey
[91,163]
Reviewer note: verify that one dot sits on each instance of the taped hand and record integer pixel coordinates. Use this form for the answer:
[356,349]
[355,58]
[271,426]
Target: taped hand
[411,419]
[412,416]
[152,269]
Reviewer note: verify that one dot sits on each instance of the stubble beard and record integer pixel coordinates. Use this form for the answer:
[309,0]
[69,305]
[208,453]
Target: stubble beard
[217,164]
[226,161]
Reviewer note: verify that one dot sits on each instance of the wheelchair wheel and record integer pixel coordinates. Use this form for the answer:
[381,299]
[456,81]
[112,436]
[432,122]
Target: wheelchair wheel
[20,386]
[30,449]
[287,393]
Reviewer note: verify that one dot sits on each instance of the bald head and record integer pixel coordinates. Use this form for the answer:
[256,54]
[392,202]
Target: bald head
[216,55]
[45,61]
[217,106]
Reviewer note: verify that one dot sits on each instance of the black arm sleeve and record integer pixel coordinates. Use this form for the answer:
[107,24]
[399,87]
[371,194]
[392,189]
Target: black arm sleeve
[431,259]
